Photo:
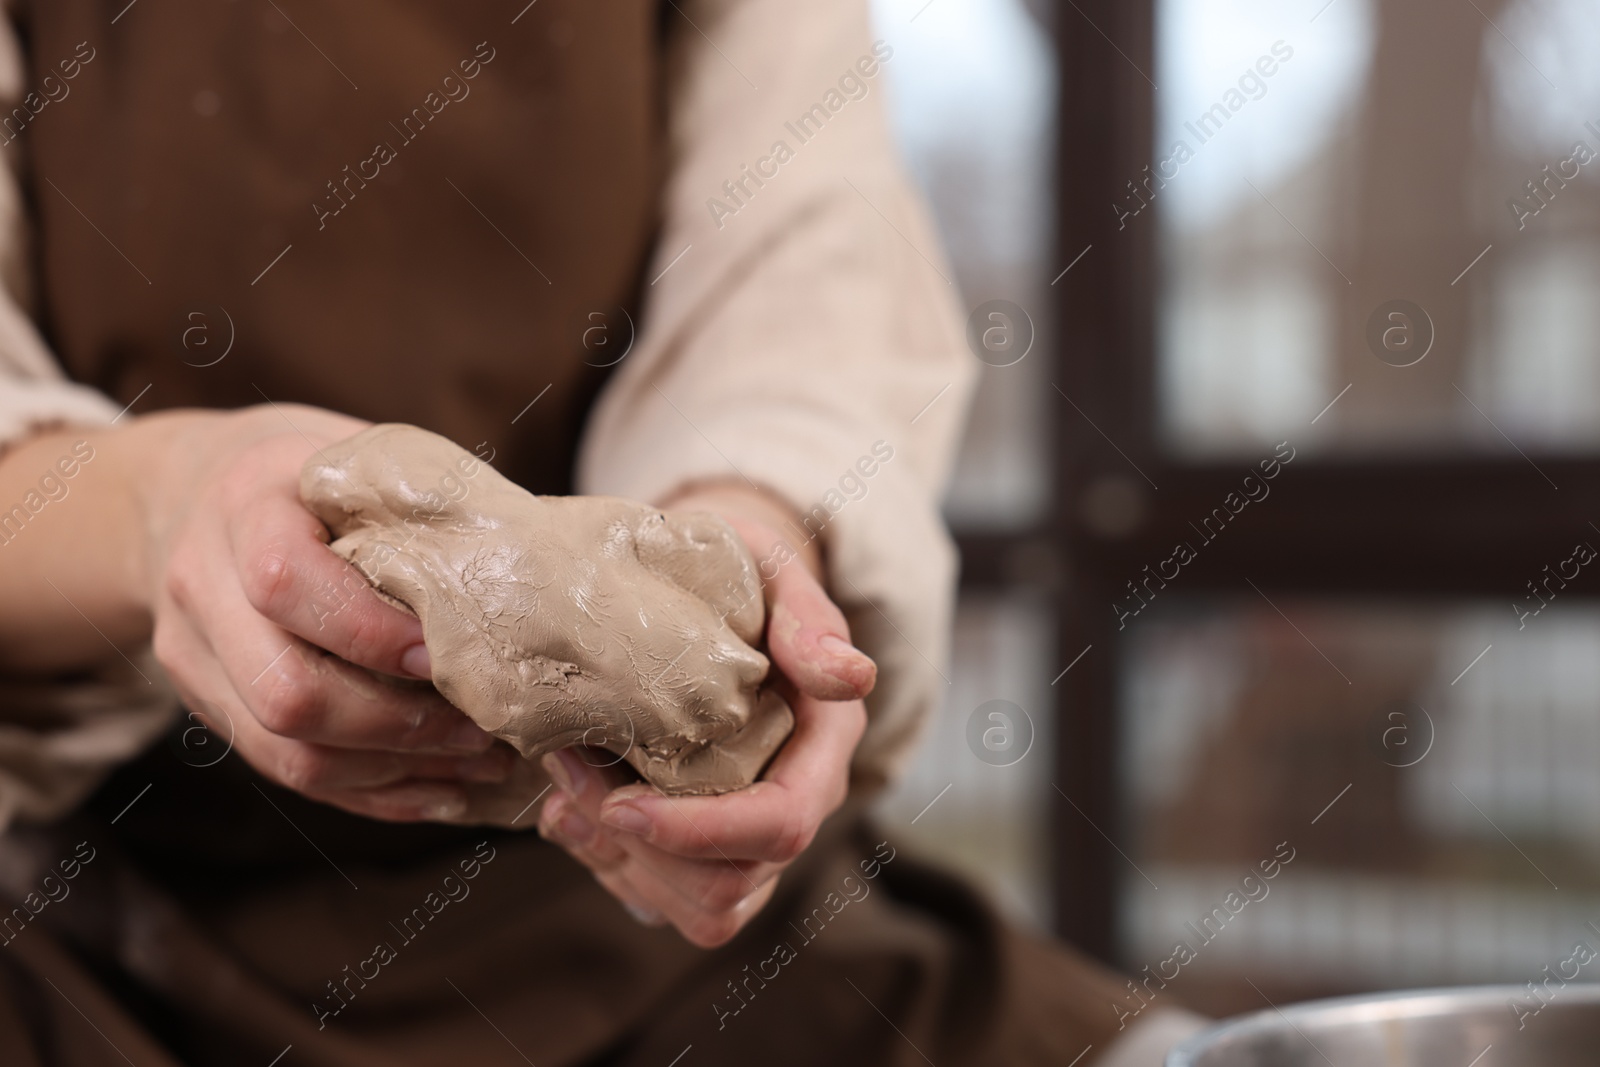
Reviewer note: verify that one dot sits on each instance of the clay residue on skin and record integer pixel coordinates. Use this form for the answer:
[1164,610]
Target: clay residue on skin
[855,673]
[557,621]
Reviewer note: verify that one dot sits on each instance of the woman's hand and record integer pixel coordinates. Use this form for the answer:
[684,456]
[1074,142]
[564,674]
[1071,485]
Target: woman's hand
[708,864]
[256,620]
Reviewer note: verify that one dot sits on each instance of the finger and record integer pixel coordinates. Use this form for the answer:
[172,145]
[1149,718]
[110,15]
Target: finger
[407,801]
[704,900]
[649,896]
[311,769]
[774,819]
[808,640]
[806,632]
[711,884]
[293,579]
[319,771]
[563,821]
[703,927]
[633,902]
[324,773]
[581,788]
[296,691]
[315,697]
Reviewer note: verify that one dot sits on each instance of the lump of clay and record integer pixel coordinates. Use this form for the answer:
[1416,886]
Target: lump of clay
[556,621]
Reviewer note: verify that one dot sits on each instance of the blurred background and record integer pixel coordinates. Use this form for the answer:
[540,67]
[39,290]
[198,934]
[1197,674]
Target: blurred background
[1357,242]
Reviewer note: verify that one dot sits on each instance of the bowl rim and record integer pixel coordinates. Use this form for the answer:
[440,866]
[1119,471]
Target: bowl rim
[1393,1004]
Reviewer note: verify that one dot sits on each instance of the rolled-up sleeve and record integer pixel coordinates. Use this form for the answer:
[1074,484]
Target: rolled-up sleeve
[801,329]
[58,738]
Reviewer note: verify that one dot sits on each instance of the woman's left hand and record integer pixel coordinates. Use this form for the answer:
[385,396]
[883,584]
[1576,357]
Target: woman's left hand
[707,865]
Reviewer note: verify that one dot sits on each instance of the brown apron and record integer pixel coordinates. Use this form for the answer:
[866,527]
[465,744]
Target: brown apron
[436,268]
[420,213]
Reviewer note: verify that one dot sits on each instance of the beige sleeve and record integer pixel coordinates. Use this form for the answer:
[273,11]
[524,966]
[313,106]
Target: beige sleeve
[793,327]
[58,739]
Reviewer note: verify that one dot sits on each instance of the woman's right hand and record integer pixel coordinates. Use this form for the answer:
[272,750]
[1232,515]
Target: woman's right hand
[257,621]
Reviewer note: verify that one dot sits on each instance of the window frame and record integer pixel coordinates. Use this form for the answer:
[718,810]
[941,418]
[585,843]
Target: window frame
[1445,527]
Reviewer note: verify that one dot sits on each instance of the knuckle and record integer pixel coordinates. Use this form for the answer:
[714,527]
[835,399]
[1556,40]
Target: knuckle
[417,728]
[304,768]
[366,639]
[177,582]
[290,708]
[268,582]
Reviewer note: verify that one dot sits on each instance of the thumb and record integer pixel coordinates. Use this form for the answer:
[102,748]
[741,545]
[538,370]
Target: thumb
[807,635]
[809,640]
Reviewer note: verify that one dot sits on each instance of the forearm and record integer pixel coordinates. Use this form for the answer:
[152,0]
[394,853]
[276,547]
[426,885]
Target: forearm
[73,523]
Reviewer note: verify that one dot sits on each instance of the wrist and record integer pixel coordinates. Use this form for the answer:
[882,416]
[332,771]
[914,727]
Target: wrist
[140,477]
[73,545]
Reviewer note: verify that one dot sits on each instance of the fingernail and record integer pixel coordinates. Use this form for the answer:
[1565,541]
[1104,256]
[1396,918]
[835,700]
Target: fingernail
[448,808]
[468,737]
[575,828]
[643,916]
[858,671]
[489,767]
[557,770]
[837,645]
[415,661]
[627,818]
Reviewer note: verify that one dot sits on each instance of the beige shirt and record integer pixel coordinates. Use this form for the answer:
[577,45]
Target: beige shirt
[799,323]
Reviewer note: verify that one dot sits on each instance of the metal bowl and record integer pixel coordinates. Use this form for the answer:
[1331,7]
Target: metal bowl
[1475,1027]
